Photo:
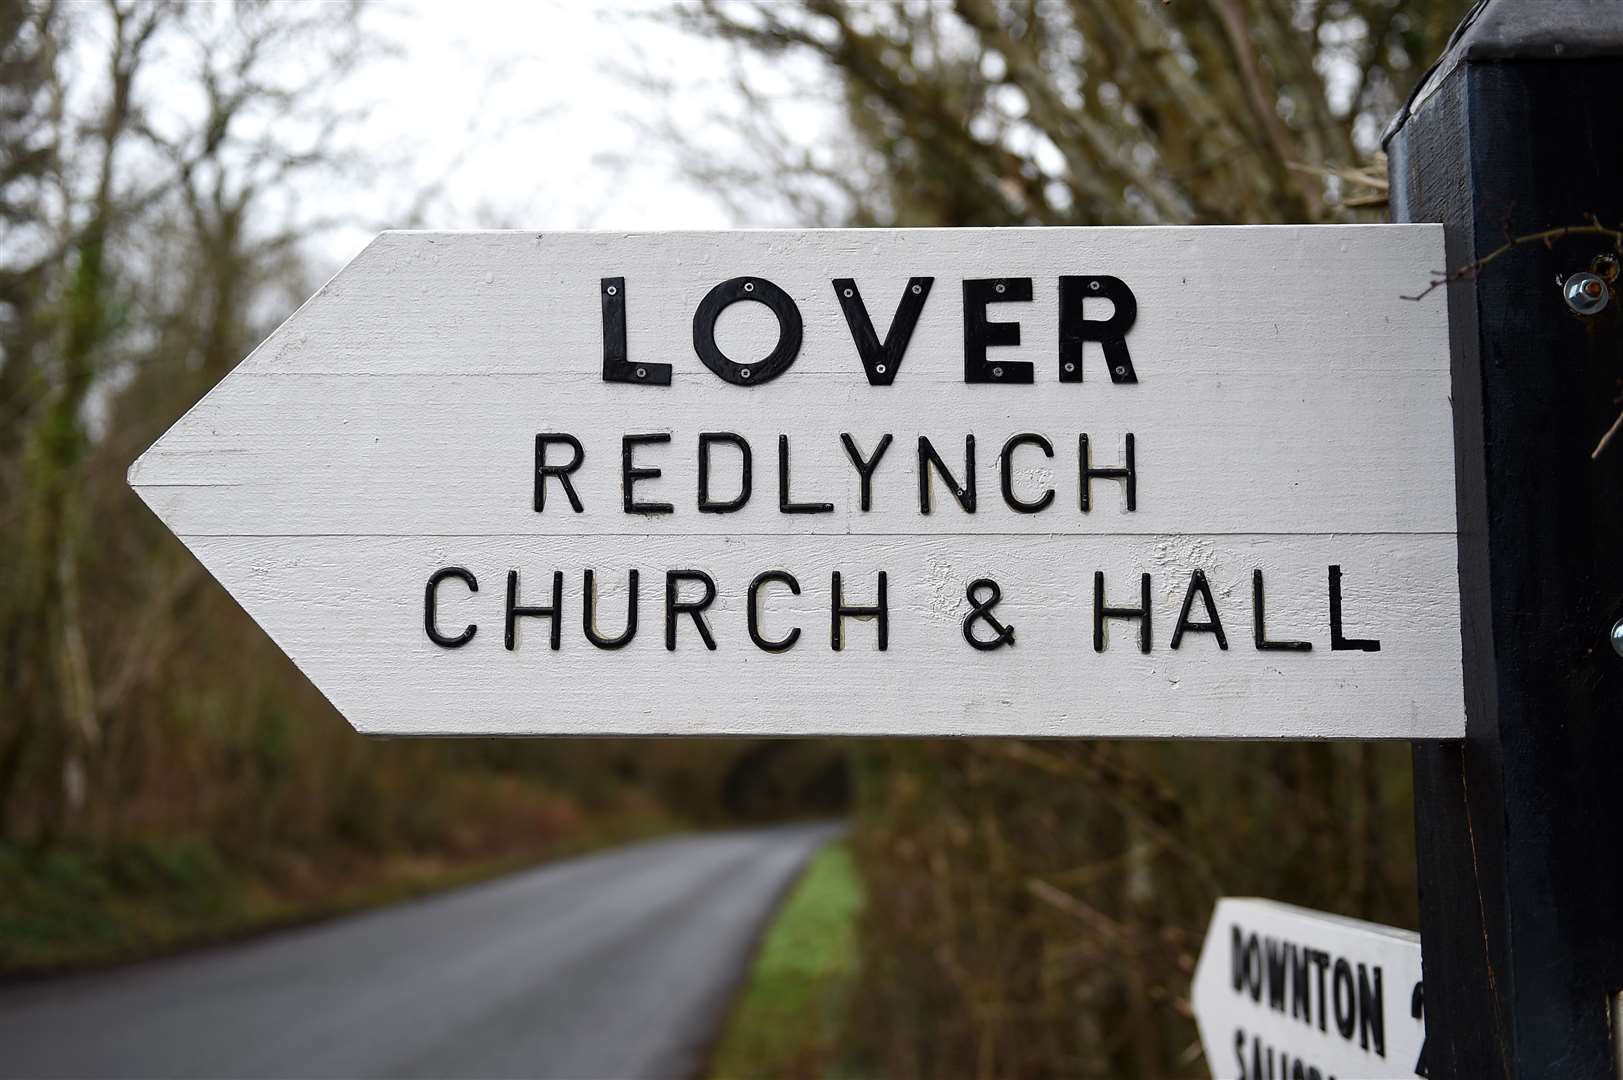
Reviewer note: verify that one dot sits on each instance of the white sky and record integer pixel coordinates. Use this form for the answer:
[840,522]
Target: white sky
[529,114]
[526,111]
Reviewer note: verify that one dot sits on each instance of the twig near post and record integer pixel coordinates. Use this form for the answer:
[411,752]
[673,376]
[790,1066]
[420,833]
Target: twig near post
[1545,237]
[1372,177]
[1606,439]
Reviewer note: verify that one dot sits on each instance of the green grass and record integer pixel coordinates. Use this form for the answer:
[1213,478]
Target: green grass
[791,1016]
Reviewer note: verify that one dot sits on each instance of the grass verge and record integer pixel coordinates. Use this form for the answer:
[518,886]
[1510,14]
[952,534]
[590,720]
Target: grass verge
[790,1019]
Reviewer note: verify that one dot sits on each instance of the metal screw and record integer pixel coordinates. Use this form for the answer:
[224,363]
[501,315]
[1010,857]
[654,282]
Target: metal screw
[1586,293]
[997,373]
[848,292]
[1094,285]
[879,368]
[1070,367]
[1617,637]
[917,289]
[998,286]
[744,373]
[612,290]
[749,286]
[642,373]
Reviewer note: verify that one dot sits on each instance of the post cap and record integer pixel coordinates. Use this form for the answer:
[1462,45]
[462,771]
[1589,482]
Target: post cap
[1499,30]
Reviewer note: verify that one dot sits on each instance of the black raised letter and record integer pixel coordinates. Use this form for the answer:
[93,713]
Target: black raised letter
[1321,961]
[1006,464]
[1102,612]
[630,474]
[1338,643]
[429,625]
[615,365]
[881,361]
[1127,474]
[1345,998]
[543,470]
[983,595]
[675,606]
[964,493]
[784,503]
[1259,627]
[707,439]
[839,611]
[553,611]
[1110,333]
[865,469]
[1214,625]
[589,616]
[723,296]
[980,333]
[1371,1011]
[752,607]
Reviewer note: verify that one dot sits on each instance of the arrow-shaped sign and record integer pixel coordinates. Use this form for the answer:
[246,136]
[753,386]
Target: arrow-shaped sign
[1282,993]
[1144,482]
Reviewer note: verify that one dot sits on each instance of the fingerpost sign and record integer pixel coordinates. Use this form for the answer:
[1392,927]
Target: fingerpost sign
[1284,993]
[1062,482]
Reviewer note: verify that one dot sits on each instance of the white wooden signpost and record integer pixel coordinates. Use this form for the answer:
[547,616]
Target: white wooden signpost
[1175,482]
[1284,993]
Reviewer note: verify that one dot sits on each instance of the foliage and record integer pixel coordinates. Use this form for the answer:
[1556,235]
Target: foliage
[144,264]
[790,1021]
[1072,112]
[81,902]
[160,165]
[1034,908]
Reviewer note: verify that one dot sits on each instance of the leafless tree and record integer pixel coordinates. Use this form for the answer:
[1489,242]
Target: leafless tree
[1033,909]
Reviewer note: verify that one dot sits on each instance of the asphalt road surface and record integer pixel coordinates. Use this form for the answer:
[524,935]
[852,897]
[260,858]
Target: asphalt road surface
[616,965]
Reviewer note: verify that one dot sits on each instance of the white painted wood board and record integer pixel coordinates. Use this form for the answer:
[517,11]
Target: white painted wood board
[1291,414]
[1277,984]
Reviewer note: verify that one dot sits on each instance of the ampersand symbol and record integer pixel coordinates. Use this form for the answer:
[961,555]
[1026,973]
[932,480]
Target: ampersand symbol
[984,594]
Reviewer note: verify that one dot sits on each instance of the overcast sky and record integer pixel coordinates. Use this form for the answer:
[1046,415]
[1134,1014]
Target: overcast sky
[529,114]
[526,110]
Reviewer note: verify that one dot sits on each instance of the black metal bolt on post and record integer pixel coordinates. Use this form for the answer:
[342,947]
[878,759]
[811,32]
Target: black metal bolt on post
[1517,133]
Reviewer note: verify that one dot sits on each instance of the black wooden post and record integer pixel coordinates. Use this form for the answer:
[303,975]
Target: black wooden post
[1520,130]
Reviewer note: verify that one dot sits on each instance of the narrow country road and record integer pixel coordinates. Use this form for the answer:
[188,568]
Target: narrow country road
[616,965]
